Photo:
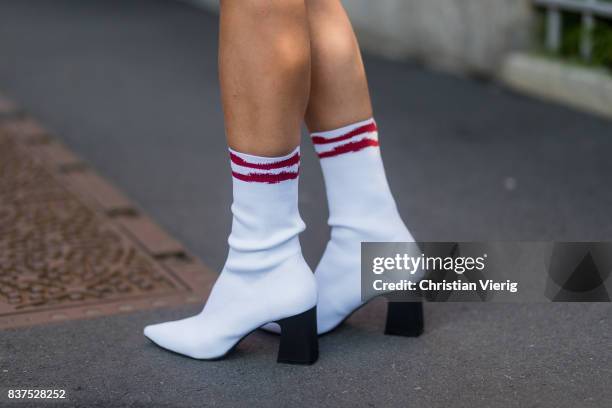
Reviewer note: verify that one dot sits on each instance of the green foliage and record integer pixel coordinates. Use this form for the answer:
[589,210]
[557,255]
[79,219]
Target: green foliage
[602,44]
[571,38]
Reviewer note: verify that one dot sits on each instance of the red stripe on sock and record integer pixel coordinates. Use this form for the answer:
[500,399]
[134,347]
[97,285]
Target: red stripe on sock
[349,147]
[265,178]
[295,159]
[370,127]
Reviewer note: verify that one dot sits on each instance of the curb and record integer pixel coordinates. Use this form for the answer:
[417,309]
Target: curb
[586,89]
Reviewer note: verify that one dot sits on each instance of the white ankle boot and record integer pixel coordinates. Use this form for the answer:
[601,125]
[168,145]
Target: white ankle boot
[265,278]
[361,209]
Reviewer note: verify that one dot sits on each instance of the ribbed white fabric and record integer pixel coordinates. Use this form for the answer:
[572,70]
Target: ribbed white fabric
[361,209]
[347,139]
[265,277]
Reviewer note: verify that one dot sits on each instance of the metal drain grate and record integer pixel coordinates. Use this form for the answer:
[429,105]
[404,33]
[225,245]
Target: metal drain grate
[71,245]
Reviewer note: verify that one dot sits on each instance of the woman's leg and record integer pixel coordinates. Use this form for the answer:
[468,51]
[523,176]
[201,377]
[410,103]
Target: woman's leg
[345,136]
[339,92]
[264,60]
[264,63]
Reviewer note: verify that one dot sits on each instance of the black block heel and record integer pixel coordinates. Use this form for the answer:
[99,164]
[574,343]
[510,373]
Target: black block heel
[404,319]
[299,343]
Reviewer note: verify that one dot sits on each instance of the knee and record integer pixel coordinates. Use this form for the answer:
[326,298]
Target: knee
[321,5]
[261,9]
[258,8]
[274,30]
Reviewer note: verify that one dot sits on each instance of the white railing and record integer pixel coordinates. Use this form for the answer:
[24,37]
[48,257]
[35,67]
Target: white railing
[589,9]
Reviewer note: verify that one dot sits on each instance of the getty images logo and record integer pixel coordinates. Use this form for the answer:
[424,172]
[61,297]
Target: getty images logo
[577,272]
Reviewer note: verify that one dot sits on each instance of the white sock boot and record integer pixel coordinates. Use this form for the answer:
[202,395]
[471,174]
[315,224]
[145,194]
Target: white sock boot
[265,278]
[361,208]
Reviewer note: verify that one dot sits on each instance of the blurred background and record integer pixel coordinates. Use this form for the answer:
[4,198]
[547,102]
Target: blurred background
[536,46]
[496,124]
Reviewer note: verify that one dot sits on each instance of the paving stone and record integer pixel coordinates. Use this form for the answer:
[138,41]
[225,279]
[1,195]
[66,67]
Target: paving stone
[72,246]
